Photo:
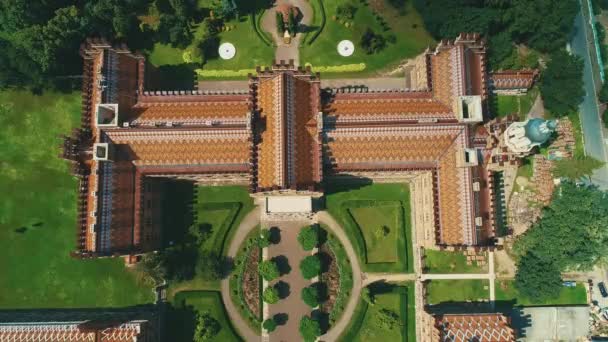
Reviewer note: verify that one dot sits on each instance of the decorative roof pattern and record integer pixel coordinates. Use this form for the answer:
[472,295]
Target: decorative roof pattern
[513,79]
[53,332]
[270,108]
[480,327]
[307,106]
[189,112]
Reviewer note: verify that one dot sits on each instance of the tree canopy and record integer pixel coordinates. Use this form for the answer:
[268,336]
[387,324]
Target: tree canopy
[310,266]
[562,83]
[572,234]
[310,329]
[308,237]
[576,168]
[207,328]
[268,270]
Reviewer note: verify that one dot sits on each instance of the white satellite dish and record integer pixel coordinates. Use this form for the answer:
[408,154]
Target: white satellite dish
[227,51]
[346,48]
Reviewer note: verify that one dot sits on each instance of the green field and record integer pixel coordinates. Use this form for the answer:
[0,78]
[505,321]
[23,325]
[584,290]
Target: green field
[411,37]
[511,104]
[341,199]
[506,291]
[38,214]
[186,305]
[449,262]
[379,225]
[364,325]
[441,291]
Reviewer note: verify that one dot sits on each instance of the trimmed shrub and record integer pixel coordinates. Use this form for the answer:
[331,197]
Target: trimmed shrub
[310,266]
[338,68]
[310,329]
[269,325]
[268,270]
[309,237]
[310,296]
[346,11]
[280,23]
[271,295]
[224,73]
[264,239]
[372,42]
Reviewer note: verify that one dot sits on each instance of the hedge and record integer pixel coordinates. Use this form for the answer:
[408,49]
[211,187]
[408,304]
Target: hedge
[255,22]
[224,73]
[338,68]
[321,27]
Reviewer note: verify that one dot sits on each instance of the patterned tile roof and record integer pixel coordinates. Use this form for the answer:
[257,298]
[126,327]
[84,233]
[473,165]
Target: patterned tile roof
[477,327]
[513,79]
[269,107]
[190,112]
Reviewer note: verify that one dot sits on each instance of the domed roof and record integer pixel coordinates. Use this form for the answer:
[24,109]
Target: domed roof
[539,131]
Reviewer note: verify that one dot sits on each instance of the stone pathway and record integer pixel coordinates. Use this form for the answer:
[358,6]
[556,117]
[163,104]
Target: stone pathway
[287,51]
[250,221]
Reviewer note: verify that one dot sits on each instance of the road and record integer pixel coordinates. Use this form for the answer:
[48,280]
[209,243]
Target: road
[589,108]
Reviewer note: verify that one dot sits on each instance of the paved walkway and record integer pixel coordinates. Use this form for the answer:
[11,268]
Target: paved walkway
[269,23]
[250,221]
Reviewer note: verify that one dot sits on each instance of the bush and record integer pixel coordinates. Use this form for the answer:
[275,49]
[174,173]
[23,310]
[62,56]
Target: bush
[268,270]
[280,23]
[269,325]
[387,319]
[346,11]
[264,239]
[271,295]
[309,237]
[603,95]
[207,328]
[372,42]
[310,266]
[310,329]
[310,296]
[338,68]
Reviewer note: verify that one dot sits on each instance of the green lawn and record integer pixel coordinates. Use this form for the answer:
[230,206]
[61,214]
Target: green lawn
[440,291]
[506,291]
[341,198]
[165,54]
[449,262]
[221,209]
[409,30]
[186,305]
[512,104]
[379,225]
[40,196]
[364,325]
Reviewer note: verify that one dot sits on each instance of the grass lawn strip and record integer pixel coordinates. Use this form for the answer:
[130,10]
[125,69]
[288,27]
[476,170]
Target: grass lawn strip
[379,225]
[40,196]
[470,290]
[341,197]
[506,291]
[201,301]
[449,262]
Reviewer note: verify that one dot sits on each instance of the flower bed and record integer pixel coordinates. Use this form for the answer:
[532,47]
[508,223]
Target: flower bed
[250,281]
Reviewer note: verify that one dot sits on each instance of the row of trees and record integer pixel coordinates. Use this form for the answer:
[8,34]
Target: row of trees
[572,235]
[544,25]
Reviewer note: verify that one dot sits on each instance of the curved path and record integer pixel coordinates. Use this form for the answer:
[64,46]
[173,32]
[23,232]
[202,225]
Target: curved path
[340,325]
[250,221]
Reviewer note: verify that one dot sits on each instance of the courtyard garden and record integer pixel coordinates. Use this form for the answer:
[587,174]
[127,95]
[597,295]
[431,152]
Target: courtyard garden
[387,313]
[383,35]
[518,105]
[506,291]
[470,290]
[450,262]
[38,215]
[201,313]
[376,218]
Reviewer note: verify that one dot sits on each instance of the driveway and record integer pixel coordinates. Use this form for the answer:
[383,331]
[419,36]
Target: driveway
[589,109]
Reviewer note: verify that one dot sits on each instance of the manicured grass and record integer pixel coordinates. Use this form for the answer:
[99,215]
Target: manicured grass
[379,225]
[342,197]
[165,54]
[506,291]
[409,30]
[579,149]
[527,168]
[364,325]
[449,262]
[440,291]
[186,306]
[39,194]
[513,104]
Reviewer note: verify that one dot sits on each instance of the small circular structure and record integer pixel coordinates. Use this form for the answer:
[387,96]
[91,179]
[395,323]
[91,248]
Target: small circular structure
[346,48]
[227,51]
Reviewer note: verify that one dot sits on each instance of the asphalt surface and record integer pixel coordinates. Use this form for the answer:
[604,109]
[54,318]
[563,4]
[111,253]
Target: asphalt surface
[589,108]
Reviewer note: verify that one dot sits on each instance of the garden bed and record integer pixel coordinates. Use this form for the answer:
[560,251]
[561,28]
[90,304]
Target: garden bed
[338,296]
[331,279]
[250,281]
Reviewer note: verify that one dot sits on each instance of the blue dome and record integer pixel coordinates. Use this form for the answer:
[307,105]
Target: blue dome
[539,131]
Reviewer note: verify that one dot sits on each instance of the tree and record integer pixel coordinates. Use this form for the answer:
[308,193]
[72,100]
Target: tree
[269,270]
[386,319]
[576,168]
[346,11]
[603,95]
[310,329]
[152,265]
[228,9]
[209,266]
[269,325]
[264,238]
[537,278]
[310,296]
[310,266]
[562,83]
[500,47]
[271,295]
[372,42]
[207,328]
[309,237]
[280,23]
[292,24]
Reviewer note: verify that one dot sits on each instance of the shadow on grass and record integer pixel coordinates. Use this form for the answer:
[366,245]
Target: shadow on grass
[171,77]
[275,235]
[322,318]
[283,264]
[325,261]
[281,318]
[283,288]
[181,322]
